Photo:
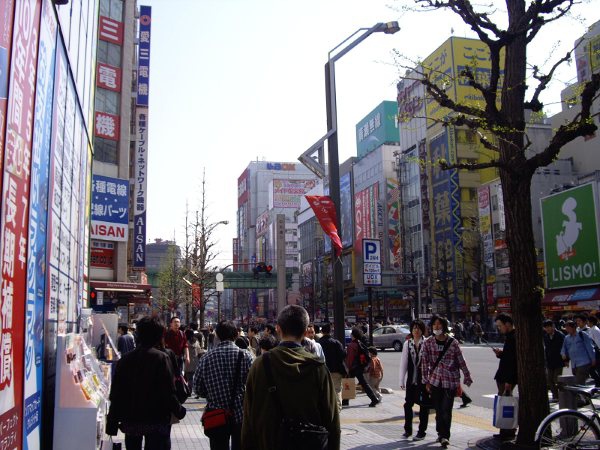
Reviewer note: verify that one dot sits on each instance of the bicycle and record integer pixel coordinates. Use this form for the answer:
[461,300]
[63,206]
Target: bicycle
[571,429]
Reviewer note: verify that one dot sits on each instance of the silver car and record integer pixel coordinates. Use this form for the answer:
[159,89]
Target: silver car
[390,336]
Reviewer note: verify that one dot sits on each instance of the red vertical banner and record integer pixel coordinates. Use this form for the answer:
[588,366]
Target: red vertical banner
[324,210]
[14,218]
[6,25]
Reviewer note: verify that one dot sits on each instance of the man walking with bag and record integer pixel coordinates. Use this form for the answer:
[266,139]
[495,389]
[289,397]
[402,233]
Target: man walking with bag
[289,390]
[334,358]
[221,379]
[506,376]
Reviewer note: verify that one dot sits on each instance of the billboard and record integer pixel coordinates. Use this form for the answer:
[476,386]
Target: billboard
[6,26]
[346,209]
[108,77]
[393,213]
[140,194]
[570,229]
[365,215]
[14,232]
[485,225]
[143,74]
[110,208]
[377,128]
[287,193]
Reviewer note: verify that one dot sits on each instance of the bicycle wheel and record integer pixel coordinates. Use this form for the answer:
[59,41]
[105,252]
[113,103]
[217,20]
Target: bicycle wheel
[570,430]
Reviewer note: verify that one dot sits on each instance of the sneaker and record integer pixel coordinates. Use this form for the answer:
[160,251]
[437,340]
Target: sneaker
[406,434]
[419,437]
[445,442]
[465,403]
[374,403]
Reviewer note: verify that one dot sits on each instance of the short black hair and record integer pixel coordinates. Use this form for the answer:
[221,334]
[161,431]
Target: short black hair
[270,327]
[570,323]
[373,351]
[419,324]
[150,331]
[267,342]
[293,321]
[326,328]
[593,320]
[357,334]
[504,318]
[253,329]
[226,330]
[242,342]
[548,323]
[173,318]
[443,321]
[580,316]
[124,328]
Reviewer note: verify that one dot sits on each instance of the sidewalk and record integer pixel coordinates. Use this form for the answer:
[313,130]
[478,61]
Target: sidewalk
[362,427]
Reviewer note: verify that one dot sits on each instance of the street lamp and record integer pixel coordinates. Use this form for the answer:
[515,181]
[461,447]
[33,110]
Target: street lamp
[333,158]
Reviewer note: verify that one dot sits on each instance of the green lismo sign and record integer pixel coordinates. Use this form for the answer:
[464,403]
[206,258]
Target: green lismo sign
[570,227]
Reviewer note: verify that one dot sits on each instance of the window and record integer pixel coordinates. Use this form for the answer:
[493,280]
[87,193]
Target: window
[107,101]
[105,150]
[109,53]
[112,9]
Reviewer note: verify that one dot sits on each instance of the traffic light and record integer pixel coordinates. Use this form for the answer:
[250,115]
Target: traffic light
[262,267]
[93,296]
[268,269]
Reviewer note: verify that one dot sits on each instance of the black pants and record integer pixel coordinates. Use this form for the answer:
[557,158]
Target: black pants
[412,394]
[360,376]
[443,401]
[152,442]
[222,442]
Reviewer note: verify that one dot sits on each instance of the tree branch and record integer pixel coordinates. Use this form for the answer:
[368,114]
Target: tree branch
[534,104]
[581,125]
[470,166]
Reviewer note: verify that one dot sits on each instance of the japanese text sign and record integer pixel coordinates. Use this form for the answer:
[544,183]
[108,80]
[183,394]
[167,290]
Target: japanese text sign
[110,210]
[143,75]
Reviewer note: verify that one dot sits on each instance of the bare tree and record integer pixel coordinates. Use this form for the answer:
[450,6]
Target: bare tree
[170,285]
[501,126]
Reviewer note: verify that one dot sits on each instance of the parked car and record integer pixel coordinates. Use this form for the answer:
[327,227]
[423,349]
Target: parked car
[390,336]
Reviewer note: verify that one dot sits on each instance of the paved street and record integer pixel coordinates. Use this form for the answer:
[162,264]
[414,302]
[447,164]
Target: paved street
[382,427]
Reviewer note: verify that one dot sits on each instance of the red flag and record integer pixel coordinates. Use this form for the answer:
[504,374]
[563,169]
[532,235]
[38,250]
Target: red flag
[324,209]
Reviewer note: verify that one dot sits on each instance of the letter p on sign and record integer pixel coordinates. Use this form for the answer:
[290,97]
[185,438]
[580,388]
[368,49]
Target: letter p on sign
[371,250]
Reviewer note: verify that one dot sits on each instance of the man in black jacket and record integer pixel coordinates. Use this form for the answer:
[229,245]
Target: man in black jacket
[142,395]
[506,376]
[553,342]
[334,359]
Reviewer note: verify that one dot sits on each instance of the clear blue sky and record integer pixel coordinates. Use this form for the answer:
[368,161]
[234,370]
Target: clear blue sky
[239,80]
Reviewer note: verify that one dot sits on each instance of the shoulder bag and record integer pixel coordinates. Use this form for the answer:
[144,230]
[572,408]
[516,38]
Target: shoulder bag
[294,434]
[218,422]
[424,400]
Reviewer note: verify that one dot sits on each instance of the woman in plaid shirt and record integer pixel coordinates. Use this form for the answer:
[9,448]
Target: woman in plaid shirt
[443,379]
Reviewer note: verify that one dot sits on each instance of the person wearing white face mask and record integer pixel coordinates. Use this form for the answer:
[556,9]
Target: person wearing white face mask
[441,363]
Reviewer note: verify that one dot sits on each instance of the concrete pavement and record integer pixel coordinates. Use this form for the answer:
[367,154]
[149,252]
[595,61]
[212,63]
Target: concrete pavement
[363,427]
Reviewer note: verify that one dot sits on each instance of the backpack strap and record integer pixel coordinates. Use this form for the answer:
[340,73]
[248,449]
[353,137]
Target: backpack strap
[442,353]
[272,387]
[236,379]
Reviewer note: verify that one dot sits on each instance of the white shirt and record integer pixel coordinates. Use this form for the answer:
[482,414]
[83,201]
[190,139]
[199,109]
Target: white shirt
[594,333]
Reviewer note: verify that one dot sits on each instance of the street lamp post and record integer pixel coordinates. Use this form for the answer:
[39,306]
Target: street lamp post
[333,159]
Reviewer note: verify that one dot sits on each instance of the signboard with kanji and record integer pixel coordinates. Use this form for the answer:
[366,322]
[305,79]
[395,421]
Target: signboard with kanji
[107,126]
[110,210]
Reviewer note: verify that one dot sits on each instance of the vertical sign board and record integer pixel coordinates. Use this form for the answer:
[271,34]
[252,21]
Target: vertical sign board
[570,227]
[6,26]
[36,249]
[110,208]
[14,218]
[141,151]
[371,249]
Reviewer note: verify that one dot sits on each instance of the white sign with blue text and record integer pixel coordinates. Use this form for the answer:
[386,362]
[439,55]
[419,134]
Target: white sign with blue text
[371,262]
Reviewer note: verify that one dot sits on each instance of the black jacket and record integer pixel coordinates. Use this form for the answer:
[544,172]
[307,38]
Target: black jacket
[143,390]
[507,369]
[334,354]
[552,348]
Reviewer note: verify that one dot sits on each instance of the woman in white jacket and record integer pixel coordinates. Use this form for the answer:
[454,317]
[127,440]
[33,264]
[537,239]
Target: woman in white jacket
[410,378]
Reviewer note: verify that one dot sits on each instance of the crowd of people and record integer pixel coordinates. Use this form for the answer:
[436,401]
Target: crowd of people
[263,386]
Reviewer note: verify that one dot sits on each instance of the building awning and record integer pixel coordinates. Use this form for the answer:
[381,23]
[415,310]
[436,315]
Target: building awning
[116,286]
[571,295]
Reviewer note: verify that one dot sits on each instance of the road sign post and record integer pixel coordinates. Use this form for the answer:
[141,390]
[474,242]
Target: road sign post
[371,274]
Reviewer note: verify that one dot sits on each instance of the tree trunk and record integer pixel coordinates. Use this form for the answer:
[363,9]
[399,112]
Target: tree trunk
[526,307]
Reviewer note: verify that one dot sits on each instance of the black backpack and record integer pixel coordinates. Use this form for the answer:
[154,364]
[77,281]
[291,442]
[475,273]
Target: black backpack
[363,359]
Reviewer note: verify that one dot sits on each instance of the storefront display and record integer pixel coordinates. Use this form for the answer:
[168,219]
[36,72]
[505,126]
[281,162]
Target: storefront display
[82,390]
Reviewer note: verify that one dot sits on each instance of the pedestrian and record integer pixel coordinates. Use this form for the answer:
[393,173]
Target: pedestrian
[176,341]
[441,363]
[266,343]
[253,338]
[506,375]
[313,345]
[221,379]
[288,383]
[477,332]
[374,372]
[578,350]
[125,341]
[195,350]
[594,333]
[334,358]
[142,394]
[553,342]
[211,338]
[411,380]
[357,360]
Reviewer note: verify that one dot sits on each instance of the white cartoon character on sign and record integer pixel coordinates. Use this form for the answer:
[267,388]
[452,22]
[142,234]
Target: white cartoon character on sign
[570,232]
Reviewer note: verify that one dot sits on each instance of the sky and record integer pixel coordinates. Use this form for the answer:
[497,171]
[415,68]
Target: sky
[235,81]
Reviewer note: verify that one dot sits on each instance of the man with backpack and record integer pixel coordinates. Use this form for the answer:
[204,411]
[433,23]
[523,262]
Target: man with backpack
[357,360]
[290,400]
[579,351]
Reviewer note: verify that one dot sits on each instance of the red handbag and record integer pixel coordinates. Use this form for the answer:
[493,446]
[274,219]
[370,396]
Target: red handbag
[215,418]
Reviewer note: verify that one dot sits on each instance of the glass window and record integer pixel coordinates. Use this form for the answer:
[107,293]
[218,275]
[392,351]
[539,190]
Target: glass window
[105,150]
[112,9]
[109,53]
[378,332]
[107,101]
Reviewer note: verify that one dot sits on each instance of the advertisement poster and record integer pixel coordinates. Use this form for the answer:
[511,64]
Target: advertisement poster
[140,190]
[346,209]
[570,227]
[365,215]
[110,208]
[393,213]
[287,193]
[15,209]
[38,215]
[6,26]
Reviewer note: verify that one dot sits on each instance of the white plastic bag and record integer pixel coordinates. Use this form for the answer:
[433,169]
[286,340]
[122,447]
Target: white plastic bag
[506,412]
